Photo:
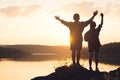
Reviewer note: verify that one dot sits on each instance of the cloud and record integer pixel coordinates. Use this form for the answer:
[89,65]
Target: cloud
[86,8]
[83,8]
[30,9]
[14,11]
[112,10]
[10,11]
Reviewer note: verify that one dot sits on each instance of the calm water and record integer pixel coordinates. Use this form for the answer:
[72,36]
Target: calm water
[18,70]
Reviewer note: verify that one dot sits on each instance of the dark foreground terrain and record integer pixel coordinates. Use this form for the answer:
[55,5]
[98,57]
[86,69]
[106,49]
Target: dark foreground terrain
[77,72]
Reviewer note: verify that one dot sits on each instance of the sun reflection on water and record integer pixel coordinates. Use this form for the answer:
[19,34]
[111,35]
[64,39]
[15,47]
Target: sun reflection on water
[85,63]
[25,70]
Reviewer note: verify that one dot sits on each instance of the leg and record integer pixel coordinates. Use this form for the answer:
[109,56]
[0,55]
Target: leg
[79,47]
[78,56]
[73,56]
[90,60]
[96,60]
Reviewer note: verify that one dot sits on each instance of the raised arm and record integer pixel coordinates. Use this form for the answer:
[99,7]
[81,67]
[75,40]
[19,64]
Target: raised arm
[57,17]
[63,21]
[101,18]
[100,25]
[91,19]
[94,14]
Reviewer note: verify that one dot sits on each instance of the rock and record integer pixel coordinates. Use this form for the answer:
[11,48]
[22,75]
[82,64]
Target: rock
[73,72]
[114,73]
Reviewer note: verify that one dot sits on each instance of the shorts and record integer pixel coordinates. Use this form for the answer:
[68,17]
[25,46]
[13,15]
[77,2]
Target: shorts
[94,47]
[76,45]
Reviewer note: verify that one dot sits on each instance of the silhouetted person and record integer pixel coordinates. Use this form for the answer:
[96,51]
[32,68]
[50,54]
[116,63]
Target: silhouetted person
[76,28]
[94,42]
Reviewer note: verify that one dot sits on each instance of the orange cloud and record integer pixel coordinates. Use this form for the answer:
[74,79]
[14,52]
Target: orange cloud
[31,9]
[86,8]
[83,8]
[13,11]
[112,10]
[10,11]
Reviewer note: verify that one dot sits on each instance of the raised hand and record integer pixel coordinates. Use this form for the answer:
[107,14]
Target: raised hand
[95,13]
[57,17]
[101,14]
[101,18]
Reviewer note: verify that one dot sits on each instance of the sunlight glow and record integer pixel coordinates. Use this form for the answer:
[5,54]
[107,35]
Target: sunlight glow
[69,62]
[25,70]
[33,22]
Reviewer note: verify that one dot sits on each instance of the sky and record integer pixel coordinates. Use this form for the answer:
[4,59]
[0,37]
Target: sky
[33,22]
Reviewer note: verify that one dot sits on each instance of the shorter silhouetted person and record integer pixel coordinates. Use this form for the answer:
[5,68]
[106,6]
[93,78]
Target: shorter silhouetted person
[92,37]
[76,28]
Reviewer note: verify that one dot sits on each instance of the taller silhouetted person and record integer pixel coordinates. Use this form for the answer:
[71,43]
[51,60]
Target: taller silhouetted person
[76,28]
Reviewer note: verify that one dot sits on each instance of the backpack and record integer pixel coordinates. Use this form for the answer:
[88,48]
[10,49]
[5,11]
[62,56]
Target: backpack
[86,36]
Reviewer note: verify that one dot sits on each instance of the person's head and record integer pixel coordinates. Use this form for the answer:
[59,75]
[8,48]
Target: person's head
[76,17]
[92,25]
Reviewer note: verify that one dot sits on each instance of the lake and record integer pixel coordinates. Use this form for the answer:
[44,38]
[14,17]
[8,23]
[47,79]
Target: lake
[25,70]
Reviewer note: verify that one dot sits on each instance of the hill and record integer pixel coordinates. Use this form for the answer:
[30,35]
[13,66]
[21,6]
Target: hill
[109,53]
[11,53]
[40,48]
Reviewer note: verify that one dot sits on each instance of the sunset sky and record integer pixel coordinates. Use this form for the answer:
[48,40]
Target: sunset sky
[33,22]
